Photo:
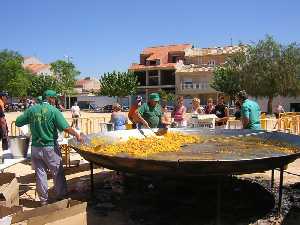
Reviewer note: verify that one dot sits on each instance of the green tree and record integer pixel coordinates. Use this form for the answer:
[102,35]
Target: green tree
[118,84]
[66,74]
[39,84]
[271,70]
[14,78]
[19,85]
[228,78]
[226,81]
[266,69]
[166,96]
[289,65]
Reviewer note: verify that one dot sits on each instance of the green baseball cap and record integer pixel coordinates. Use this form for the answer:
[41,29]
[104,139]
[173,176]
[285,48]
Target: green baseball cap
[50,93]
[154,97]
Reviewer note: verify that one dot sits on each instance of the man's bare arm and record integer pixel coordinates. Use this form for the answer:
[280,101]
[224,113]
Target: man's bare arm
[141,119]
[245,121]
[71,131]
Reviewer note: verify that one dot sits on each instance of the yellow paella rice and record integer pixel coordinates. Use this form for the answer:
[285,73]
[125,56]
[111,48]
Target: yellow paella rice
[170,142]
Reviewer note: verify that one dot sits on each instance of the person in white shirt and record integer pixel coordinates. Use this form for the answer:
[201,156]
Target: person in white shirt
[279,109]
[75,115]
[196,107]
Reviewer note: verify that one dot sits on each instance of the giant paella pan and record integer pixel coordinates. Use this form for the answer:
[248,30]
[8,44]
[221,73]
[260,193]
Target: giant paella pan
[212,152]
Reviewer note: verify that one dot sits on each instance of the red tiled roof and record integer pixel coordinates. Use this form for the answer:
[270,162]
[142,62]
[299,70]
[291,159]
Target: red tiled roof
[161,53]
[166,48]
[35,68]
[80,82]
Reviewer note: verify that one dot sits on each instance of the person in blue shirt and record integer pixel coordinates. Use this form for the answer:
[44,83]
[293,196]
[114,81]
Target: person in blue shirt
[250,112]
[118,118]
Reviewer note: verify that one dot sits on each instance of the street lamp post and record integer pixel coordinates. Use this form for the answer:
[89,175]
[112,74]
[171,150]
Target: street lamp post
[68,58]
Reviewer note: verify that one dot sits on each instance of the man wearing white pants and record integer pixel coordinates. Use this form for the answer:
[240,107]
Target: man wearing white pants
[44,120]
[44,158]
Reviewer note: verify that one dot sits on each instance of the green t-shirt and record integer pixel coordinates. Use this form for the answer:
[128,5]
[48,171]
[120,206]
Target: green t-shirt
[151,114]
[251,110]
[44,121]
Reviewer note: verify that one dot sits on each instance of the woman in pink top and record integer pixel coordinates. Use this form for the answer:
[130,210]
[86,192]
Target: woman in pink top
[179,113]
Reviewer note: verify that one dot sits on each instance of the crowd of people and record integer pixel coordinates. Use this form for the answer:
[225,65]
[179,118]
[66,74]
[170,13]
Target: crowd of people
[153,115]
[25,103]
[46,120]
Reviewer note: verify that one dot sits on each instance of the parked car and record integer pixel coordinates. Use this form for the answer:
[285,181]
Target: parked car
[84,105]
[170,108]
[89,106]
[94,108]
[107,108]
[125,108]
[13,107]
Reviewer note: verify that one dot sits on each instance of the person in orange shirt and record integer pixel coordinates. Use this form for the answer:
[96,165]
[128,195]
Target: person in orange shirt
[132,114]
[3,124]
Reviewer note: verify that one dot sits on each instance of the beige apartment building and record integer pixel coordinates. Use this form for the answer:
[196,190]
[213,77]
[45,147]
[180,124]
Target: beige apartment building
[194,73]
[87,85]
[180,69]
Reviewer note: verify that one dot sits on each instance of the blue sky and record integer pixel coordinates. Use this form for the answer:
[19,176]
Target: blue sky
[103,36]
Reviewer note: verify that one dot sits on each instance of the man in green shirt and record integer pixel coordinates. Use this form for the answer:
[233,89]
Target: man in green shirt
[250,112]
[150,113]
[44,121]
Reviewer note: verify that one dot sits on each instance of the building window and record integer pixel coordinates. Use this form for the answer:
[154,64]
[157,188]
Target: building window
[141,76]
[155,62]
[197,60]
[153,78]
[196,85]
[152,63]
[175,59]
[187,84]
[204,85]
[211,63]
[167,77]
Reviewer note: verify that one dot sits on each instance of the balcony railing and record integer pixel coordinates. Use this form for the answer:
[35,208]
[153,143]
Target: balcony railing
[195,86]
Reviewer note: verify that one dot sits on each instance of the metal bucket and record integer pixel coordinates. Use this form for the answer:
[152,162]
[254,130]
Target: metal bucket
[19,146]
[106,127]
